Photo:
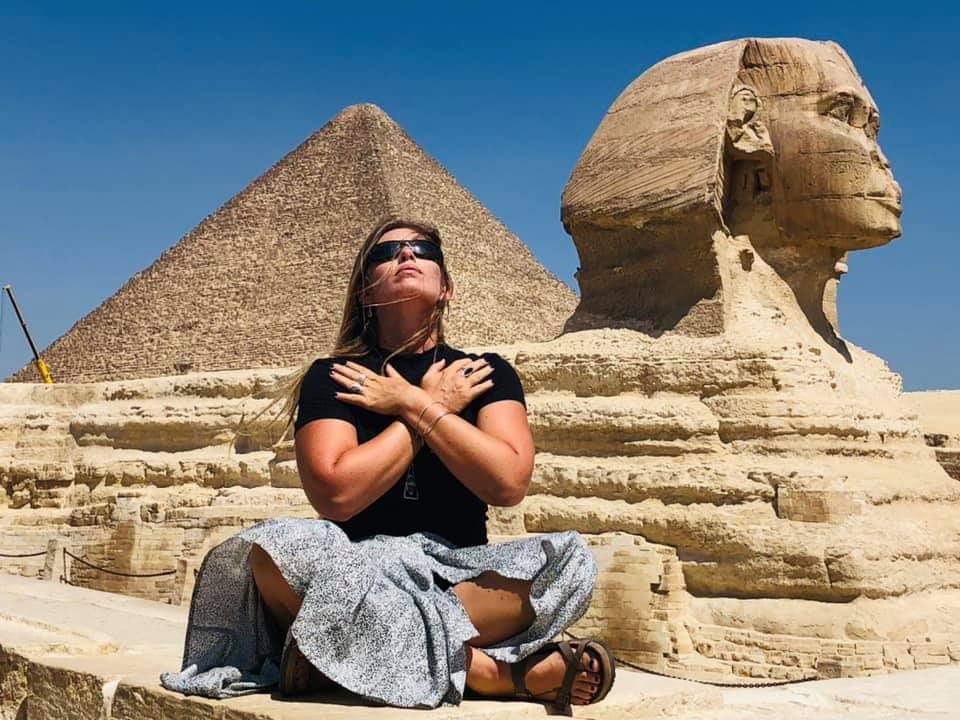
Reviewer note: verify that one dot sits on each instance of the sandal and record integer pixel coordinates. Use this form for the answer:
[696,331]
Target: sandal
[571,653]
[297,675]
[294,670]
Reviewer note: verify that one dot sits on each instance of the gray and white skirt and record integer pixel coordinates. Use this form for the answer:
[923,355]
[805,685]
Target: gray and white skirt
[379,617]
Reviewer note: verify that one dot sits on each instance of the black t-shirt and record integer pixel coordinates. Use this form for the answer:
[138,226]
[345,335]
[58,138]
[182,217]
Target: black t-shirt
[431,499]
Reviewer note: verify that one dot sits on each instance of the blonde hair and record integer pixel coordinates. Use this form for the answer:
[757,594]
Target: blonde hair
[358,335]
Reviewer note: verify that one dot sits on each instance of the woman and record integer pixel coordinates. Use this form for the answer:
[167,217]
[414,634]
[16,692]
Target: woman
[401,442]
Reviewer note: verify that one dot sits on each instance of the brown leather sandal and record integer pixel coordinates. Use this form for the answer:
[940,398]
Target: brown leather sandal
[294,670]
[297,675]
[571,653]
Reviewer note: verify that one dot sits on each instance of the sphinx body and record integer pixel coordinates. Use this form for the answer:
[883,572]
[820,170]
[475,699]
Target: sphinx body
[764,499]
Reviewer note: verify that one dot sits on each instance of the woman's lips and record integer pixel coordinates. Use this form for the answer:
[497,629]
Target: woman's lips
[408,269]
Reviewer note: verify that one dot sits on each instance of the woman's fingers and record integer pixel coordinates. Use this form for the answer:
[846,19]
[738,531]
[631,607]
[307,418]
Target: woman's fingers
[482,373]
[341,378]
[352,371]
[359,368]
[435,368]
[480,389]
[351,398]
[457,364]
[457,367]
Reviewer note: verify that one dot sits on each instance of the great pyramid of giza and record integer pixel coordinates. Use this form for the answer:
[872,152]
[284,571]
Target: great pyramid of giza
[260,283]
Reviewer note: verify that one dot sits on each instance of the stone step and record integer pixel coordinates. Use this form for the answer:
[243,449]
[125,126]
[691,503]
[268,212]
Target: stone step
[694,479]
[623,425]
[68,652]
[610,362]
[745,417]
[748,551]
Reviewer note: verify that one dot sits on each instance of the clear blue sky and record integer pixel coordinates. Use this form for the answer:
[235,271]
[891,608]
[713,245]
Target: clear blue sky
[120,129]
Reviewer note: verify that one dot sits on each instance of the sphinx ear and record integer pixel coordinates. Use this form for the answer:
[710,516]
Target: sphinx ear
[746,133]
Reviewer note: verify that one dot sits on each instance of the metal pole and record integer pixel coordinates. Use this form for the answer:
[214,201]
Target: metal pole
[41,365]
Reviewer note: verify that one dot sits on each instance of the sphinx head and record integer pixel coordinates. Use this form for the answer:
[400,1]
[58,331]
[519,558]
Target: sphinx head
[771,139]
[823,175]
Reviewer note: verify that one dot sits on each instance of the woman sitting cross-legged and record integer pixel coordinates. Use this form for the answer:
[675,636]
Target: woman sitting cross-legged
[402,442]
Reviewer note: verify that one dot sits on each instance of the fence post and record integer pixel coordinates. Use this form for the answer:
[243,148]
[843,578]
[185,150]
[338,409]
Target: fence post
[53,562]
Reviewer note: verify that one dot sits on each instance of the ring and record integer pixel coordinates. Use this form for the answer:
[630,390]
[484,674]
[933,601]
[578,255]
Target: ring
[361,379]
[356,388]
[466,371]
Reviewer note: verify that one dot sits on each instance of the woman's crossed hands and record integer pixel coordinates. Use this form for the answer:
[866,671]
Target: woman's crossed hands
[455,386]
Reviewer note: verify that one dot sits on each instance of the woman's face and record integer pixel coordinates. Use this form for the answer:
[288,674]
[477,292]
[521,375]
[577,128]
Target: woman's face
[407,277]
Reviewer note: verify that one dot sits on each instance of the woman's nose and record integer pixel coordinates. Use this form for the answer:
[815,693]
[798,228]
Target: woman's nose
[406,253]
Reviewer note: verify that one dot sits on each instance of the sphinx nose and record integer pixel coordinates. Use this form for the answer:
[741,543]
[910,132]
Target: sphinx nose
[896,189]
[880,158]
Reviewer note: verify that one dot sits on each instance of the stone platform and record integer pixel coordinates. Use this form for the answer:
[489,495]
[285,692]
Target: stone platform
[68,653]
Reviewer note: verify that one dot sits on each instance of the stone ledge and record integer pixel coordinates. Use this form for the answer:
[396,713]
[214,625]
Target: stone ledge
[68,653]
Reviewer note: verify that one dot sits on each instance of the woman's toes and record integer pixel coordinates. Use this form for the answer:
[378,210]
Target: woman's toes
[588,677]
[583,695]
[584,690]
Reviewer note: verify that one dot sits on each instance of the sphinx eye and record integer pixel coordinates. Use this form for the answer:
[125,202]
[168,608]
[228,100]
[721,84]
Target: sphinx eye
[872,128]
[841,108]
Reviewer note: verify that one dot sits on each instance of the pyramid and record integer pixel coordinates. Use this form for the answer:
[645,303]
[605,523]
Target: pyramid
[261,282]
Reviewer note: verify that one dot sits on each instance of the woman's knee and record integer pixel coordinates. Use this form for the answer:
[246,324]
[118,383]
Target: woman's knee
[262,565]
[274,589]
[499,607]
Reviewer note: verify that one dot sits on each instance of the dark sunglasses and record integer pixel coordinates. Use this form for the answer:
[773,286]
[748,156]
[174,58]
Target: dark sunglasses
[386,251]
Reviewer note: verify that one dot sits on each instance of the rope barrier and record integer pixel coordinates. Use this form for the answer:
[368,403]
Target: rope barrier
[23,555]
[67,553]
[746,683]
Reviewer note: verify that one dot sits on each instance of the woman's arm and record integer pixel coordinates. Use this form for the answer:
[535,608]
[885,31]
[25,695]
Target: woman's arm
[493,458]
[342,477]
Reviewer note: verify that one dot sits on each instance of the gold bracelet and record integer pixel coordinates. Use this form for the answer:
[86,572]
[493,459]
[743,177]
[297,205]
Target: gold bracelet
[434,424]
[416,425]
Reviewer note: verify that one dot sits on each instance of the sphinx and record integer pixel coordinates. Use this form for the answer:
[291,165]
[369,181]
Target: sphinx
[763,497]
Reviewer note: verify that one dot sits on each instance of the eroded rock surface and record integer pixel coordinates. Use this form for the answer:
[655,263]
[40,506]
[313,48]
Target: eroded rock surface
[704,398]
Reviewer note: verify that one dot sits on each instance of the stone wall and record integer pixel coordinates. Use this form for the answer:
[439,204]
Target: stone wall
[692,527]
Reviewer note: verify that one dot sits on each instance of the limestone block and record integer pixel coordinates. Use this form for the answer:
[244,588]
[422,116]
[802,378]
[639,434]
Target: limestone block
[627,425]
[799,501]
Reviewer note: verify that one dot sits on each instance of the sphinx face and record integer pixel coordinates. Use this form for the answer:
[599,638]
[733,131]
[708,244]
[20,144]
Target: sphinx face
[832,184]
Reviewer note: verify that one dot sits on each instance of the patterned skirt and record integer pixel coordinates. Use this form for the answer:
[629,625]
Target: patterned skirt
[379,617]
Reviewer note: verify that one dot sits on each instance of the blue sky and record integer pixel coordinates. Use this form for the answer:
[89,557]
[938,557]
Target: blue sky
[121,128]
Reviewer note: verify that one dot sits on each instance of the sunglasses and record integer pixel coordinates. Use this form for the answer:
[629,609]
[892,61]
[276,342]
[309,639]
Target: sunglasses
[386,251]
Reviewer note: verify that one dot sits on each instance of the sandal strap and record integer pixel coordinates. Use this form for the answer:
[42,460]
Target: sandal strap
[572,653]
[519,669]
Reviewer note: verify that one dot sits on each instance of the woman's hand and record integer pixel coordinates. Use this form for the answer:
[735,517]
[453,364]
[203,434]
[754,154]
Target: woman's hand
[452,387]
[386,394]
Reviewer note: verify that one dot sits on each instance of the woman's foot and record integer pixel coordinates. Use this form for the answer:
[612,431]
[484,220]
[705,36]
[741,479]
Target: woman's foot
[544,679]
[540,676]
[298,676]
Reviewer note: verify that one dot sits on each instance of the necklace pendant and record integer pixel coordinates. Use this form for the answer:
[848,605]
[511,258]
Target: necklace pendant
[410,489]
